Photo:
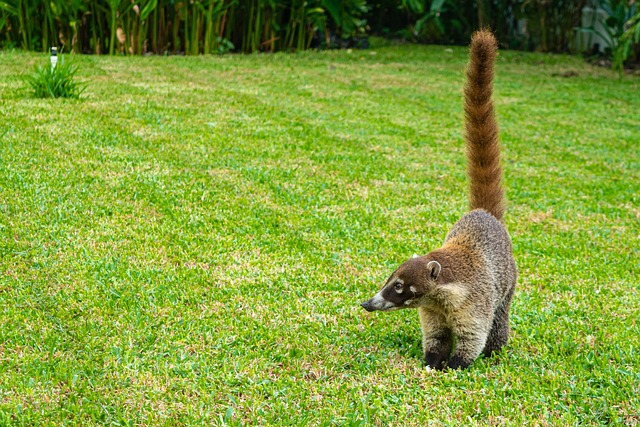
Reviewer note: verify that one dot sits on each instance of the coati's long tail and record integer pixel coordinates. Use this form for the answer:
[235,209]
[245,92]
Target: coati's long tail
[481,128]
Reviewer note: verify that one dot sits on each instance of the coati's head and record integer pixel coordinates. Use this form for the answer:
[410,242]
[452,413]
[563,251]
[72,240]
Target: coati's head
[407,286]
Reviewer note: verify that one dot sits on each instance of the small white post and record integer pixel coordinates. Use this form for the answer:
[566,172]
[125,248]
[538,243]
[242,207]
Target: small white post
[54,57]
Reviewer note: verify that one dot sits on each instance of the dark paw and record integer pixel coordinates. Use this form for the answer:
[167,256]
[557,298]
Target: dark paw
[457,362]
[489,352]
[435,360]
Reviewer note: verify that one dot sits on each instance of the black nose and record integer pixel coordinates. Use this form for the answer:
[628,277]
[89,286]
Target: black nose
[367,305]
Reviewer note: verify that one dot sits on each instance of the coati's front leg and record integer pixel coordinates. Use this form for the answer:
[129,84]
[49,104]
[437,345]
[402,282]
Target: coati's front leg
[499,334]
[472,337]
[437,338]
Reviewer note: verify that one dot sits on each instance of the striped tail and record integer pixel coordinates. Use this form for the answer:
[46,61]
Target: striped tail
[481,128]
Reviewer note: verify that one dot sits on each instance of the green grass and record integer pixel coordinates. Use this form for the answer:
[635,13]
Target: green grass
[187,244]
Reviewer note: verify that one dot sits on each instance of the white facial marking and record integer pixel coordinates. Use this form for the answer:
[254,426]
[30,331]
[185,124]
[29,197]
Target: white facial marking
[377,299]
[395,283]
[412,289]
[379,303]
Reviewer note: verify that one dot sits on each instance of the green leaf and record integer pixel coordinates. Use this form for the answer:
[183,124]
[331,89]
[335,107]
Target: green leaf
[147,9]
[436,6]
[414,6]
[333,6]
[8,8]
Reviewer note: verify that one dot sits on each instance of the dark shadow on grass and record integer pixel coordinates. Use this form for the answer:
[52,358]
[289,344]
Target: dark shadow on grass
[411,346]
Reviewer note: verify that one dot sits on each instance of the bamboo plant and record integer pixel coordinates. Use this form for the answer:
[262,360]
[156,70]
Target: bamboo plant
[189,27]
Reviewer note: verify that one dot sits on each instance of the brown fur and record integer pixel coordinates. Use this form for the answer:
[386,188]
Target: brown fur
[481,128]
[464,288]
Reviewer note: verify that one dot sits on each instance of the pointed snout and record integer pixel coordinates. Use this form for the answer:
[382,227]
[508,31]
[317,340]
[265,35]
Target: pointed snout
[379,303]
[368,305]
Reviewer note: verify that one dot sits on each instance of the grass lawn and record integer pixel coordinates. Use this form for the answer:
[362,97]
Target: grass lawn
[187,244]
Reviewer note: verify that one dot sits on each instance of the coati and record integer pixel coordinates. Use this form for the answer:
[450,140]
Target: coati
[463,290]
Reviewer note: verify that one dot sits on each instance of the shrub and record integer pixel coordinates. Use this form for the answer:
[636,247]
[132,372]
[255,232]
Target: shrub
[629,43]
[55,82]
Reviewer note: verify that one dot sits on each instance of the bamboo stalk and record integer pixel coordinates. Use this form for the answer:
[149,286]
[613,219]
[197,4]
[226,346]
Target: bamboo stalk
[154,30]
[208,32]
[176,42]
[190,26]
[195,25]
[113,5]
[25,38]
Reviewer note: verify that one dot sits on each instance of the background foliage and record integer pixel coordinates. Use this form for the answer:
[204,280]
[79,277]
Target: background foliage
[217,26]
[169,26]
[546,25]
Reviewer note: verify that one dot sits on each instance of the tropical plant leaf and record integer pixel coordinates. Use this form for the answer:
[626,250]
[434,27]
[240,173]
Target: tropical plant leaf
[436,6]
[414,6]
[8,8]
[333,6]
[147,9]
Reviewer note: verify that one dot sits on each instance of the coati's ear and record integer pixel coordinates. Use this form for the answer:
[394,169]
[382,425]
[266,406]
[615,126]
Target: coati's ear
[415,256]
[434,268]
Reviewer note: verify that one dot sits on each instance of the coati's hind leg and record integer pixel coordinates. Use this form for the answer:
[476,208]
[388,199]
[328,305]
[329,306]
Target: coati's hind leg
[437,339]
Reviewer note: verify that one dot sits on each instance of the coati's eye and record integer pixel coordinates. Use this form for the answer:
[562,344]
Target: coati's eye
[397,286]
